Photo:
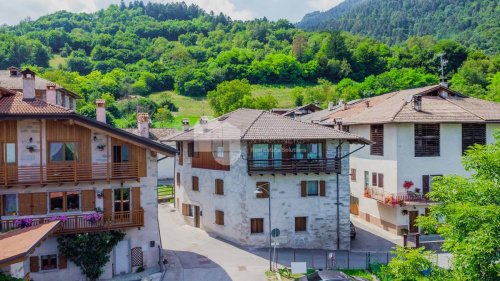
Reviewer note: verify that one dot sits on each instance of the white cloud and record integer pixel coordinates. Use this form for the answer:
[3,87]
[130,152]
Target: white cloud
[323,4]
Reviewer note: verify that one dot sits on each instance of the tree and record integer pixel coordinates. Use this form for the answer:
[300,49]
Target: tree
[229,95]
[89,251]
[470,210]
[413,265]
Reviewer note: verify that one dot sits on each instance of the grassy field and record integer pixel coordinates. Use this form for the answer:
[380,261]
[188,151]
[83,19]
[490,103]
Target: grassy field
[56,61]
[281,93]
[166,191]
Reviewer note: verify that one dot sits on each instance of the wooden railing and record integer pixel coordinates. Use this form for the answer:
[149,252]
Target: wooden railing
[81,223]
[323,165]
[394,199]
[67,172]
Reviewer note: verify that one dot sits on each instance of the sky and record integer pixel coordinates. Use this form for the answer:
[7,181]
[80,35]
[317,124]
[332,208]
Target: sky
[13,11]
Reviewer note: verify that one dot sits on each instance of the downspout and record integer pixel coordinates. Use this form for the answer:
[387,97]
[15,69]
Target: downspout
[338,156]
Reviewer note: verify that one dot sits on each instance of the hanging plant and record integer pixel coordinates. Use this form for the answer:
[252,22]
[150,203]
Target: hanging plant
[404,212]
[30,148]
[101,147]
[407,184]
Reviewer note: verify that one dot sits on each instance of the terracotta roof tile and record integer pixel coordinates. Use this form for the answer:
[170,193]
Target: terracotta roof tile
[156,134]
[14,104]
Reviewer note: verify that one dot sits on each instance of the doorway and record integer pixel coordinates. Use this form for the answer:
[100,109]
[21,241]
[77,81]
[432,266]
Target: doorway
[413,227]
[121,258]
[197,216]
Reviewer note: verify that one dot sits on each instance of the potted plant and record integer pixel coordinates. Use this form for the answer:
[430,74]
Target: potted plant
[417,190]
[101,147]
[30,148]
[23,222]
[407,184]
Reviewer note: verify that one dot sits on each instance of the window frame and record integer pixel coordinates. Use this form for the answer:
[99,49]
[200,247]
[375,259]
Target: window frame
[122,200]
[259,229]
[317,188]
[353,174]
[218,218]
[219,190]
[422,146]
[6,153]
[304,229]
[64,202]
[40,265]
[3,204]
[377,137]
[474,139]
[193,181]
[64,143]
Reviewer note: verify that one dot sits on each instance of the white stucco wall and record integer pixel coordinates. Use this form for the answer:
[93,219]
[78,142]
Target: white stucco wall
[239,204]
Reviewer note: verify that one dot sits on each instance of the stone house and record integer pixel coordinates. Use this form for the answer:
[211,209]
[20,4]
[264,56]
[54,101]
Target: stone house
[417,134]
[62,173]
[232,168]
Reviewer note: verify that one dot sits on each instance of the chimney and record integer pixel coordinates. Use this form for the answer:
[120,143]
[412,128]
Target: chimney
[13,71]
[28,84]
[51,94]
[204,122]
[143,124]
[444,84]
[443,94]
[417,103]
[100,110]
[185,124]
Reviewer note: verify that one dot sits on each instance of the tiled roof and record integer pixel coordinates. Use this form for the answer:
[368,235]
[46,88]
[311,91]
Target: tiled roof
[156,134]
[397,107]
[19,243]
[15,104]
[259,125]
[16,82]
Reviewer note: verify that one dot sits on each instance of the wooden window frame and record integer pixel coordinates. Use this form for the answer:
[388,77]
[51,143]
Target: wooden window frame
[302,227]
[113,201]
[353,175]
[377,137]
[426,144]
[77,146]
[472,134]
[219,187]
[3,212]
[219,217]
[180,148]
[48,270]
[256,225]
[195,183]
[5,153]
[64,202]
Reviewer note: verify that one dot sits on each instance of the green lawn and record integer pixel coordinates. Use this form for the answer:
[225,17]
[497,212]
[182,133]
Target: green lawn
[56,61]
[165,191]
[281,93]
[358,273]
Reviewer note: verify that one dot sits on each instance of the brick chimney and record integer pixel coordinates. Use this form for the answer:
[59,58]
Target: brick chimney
[51,94]
[28,84]
[100,110]
[143,124]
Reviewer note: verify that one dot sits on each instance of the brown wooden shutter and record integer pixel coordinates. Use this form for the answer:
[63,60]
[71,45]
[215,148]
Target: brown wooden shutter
[353,175]
[184,209]
[219,187]
[34,267]
[374,179]
[88,200]
[380,180]
[63,262]
[303,189]
[39,203]
[24,204]
[136,198]
[181,153]
[377,137]
[196,184]
[178,181]
[108,202]
[1,200]
[322,188]
[426,184]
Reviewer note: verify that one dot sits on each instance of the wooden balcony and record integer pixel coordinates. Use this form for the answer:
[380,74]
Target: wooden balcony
[71,224]
[285,166]
[67,173]
[393,199]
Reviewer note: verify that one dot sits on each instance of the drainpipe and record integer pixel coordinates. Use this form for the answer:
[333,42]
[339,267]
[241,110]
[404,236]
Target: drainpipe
[338,156]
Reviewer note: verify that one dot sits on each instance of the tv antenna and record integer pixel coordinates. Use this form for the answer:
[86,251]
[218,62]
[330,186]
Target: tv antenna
[444,62]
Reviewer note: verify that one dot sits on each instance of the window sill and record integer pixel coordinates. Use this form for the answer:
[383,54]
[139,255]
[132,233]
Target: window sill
[259,234]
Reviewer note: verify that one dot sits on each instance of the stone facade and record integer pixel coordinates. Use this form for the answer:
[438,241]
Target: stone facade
[239,203]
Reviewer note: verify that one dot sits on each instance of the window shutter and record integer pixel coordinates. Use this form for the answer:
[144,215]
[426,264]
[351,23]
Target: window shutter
[63,262]
[39,203]
[196,184]
[322,188]
[303,189]
[136,198]
[181,153]
[108,207]
[381,180]
[34,267]
[88,200]
[190,149]
[374,179]
[377,137]
[219,187]
[178,181]
[219,217]
[184,209]
[24,204]
[425,184]
[353,174]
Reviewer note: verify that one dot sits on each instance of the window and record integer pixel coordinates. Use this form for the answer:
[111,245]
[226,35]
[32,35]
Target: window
[257,225]
[10,153]
[219,217]
[121,199]
[49,262]
[353,175]
[120,154]
[380,180]
[187,210]
[312,188]
[308,151]
[178,181]
[427,183]
[64,201]
[263,188]
[180,148]
[63,151]
[190,149]
[219,151]
[219,187]
[377,137]
[9,204]
[426,140]
[196,184]
[473,134]
[367,178]
[300,224]
[374,179]
[267,154]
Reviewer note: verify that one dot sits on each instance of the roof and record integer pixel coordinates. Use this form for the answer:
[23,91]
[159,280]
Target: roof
[15,104]
[16,82]
[259,125]
[156,134]
[297,110]
[18,244]
[397,107]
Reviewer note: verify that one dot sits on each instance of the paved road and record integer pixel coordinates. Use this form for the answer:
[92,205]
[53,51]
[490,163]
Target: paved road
[194,255]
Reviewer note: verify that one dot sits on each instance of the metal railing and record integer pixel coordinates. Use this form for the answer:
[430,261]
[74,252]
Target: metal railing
[321,165]
[390,198]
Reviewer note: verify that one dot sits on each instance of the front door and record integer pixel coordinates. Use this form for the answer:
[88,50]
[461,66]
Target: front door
[122,258]
[413,227]
[197,216]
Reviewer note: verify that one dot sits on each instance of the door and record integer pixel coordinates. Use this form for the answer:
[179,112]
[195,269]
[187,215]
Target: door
[413,227]
[122,258]
[120,160]
[121,201]
[197,216]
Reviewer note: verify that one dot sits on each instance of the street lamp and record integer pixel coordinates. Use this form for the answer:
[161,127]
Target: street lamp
[261,190]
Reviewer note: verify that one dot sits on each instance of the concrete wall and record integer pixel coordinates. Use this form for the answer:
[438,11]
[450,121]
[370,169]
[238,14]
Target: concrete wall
[166,166]
[239,203]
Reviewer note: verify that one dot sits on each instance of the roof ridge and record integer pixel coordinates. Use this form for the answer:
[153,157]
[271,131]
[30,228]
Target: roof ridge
[253,122]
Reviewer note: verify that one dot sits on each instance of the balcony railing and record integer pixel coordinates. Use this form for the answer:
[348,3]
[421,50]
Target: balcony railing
[393,199]
[323,165]
[81,223]
[67,172]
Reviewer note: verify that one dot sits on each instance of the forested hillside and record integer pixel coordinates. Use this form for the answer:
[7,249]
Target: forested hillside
[181,53]
[474,23]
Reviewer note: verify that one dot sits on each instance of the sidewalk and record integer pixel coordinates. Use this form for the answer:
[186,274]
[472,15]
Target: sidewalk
[361,224]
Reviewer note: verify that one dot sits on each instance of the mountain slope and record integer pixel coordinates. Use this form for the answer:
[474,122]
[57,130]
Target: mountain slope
[475,23]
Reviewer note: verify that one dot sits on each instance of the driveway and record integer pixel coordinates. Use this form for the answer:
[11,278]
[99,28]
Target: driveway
[194,255]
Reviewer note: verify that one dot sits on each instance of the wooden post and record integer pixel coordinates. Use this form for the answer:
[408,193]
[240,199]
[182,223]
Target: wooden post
[405,239]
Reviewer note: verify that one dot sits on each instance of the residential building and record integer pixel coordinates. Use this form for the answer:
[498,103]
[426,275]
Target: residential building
[297,112]
[62,173]
[228,168]
[417,134]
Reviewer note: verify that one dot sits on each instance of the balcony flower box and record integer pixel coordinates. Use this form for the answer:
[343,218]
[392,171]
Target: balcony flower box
[62,218]
[408,184]
[23,222]
[93,218]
